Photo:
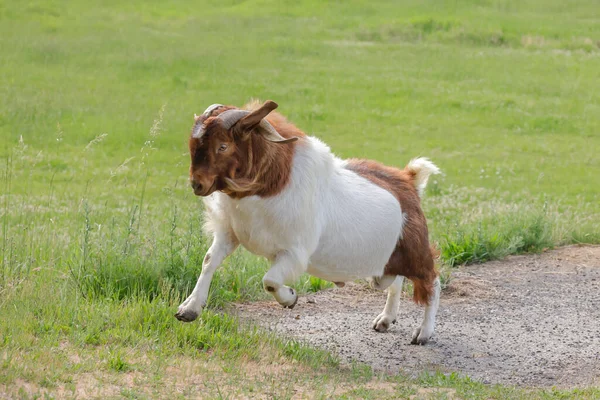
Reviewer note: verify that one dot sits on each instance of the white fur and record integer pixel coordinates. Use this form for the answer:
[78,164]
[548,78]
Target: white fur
[422,334]
[328,221]
[222,246]
[390,311]
[338,225]
[422,168]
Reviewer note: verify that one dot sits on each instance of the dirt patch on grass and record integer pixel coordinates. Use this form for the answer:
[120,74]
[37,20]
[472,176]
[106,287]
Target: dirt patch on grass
[188,377]
[528,320]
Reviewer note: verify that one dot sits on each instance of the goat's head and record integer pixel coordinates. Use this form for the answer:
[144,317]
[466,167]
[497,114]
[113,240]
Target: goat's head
[223,143]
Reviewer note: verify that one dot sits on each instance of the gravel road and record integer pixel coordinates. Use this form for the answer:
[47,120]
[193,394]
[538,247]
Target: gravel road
[528,321]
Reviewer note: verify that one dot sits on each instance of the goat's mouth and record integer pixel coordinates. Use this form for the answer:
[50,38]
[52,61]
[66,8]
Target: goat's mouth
[204,193]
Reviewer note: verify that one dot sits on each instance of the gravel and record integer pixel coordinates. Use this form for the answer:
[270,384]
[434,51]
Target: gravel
[529,321]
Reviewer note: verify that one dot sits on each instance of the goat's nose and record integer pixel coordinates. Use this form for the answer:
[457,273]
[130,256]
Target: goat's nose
[196,186]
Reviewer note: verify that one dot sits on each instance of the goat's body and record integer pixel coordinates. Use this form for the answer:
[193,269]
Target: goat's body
[286,197]
[340,224]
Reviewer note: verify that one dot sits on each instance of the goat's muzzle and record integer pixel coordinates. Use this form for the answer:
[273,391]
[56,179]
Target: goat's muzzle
[203,190]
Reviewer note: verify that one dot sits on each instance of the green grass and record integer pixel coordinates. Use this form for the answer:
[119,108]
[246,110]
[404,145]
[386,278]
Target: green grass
[101,235]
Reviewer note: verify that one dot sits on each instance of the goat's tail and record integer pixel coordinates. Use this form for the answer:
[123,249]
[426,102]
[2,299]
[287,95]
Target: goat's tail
[420,169]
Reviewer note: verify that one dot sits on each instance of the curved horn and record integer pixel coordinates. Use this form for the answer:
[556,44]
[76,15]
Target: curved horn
[198,130]
[230,117]
[211,108]
[272,135]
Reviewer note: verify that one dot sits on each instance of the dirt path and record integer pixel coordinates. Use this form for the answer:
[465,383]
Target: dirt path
[527,320]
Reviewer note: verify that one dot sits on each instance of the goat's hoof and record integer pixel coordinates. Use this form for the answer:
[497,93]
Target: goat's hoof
[186,315]
[382,322]
[291,306]
[421,336]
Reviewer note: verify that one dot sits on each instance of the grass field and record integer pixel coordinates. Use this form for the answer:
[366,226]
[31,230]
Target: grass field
[100,233]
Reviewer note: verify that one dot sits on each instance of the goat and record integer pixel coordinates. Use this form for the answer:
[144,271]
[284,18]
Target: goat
[283,195]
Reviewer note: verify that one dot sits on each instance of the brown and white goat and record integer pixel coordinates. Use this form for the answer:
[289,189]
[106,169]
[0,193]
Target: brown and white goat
[283,195]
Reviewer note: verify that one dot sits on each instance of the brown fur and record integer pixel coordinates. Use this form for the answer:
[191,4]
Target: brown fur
[251,165]
[413,256]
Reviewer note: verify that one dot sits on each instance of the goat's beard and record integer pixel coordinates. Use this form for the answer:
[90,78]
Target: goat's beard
[239,185]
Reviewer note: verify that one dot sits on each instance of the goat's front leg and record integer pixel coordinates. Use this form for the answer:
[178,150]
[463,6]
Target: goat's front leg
[287,267]
[222,246]
[390,311]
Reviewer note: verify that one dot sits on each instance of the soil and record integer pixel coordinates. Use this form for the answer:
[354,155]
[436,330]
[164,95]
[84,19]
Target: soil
[529,321]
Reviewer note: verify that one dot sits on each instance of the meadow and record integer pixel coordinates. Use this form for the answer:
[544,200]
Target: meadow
[101,235]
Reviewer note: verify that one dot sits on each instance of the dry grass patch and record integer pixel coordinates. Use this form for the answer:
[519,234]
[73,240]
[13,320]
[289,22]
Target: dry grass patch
[191,377]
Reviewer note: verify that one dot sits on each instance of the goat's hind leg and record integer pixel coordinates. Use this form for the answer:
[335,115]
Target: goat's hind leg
[382,282]
[422,334]
[390,311]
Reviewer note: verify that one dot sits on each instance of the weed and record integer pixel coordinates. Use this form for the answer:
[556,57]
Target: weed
[516,231]
[315,284]
[117,363]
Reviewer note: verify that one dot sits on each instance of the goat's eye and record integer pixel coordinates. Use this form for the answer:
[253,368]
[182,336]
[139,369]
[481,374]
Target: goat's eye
[222,147]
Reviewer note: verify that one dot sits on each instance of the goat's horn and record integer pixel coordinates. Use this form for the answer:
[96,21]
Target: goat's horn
[211,108]
[198,130]
[272,135]
[230,117]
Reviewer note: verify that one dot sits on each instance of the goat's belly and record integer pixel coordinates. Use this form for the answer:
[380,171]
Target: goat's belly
[347,268]
[343,273]
[363,225]
[260,243]
[341,261]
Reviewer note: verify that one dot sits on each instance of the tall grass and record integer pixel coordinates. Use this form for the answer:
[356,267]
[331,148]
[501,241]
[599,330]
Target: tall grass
[109,273]
[478,225]
[523,230]
[135,247]
[6,179]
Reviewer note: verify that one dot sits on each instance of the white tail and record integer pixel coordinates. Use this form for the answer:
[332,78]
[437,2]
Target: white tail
[422,168]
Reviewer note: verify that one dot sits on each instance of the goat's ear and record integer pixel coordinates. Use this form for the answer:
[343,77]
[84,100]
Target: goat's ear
[254,118]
